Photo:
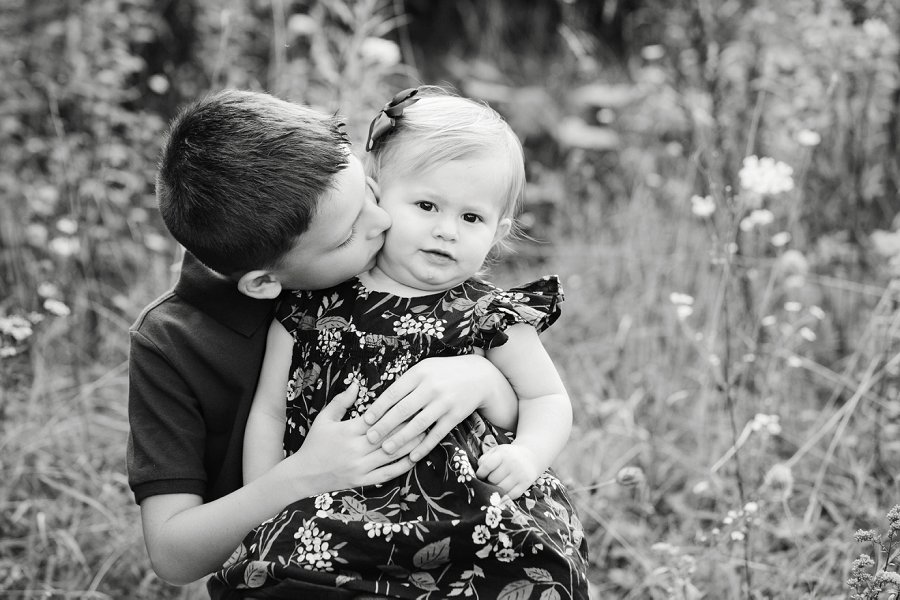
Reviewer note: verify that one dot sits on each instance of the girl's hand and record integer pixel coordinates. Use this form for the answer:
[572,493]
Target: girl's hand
[434,396]
[510,467]
[337,455]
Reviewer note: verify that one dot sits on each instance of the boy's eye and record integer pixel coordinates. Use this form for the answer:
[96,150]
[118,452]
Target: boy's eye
[349,240]
[472,218]
[425,205]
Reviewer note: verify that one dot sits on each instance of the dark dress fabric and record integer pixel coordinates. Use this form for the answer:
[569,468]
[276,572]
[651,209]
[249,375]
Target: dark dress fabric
[436,531]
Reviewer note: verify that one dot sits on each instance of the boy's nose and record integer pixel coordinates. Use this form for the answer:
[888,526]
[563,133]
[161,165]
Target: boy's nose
[380,221]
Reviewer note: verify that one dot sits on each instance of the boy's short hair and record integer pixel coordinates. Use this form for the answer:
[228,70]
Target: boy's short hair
[240,176]
[441,127]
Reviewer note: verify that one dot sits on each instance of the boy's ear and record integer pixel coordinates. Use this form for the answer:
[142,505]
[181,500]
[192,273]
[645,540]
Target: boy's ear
[259,284]
[503,228]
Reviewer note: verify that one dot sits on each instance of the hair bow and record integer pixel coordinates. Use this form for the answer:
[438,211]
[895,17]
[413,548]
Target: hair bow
[393,110]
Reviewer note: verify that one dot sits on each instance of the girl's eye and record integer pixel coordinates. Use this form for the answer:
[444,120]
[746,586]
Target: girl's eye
[425,205]
[472,218]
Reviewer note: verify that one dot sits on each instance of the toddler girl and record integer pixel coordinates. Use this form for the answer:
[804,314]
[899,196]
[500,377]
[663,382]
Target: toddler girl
[481,515]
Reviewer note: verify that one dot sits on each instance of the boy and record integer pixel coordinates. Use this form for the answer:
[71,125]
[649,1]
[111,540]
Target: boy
[264,195]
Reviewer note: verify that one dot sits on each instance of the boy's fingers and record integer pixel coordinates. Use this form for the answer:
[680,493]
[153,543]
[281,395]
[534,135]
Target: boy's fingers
[339,405]
[389,471]
[385,456]
[416,425]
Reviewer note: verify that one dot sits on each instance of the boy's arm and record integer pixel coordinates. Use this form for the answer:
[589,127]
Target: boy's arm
[264,435]
[434,396]
[545,413]
[186,539]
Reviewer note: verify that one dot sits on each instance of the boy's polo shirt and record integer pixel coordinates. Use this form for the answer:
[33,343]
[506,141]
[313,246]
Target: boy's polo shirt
[195,358]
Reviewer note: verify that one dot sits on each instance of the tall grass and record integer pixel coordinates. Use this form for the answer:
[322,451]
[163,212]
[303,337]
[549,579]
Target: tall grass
[730,438]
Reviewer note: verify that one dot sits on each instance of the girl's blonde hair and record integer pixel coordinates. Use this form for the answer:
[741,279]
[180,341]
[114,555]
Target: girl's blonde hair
[441,127]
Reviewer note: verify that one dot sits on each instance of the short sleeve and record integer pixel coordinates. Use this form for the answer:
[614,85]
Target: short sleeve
[535,303]
[295,310]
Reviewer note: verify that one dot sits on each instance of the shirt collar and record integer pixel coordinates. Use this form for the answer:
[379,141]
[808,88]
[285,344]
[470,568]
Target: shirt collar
[219,297]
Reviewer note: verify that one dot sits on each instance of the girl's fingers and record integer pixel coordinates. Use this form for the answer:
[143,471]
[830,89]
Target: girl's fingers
[486,464]
[417,425]
[432,438]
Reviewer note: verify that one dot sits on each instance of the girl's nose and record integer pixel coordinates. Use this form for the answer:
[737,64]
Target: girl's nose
[445,229]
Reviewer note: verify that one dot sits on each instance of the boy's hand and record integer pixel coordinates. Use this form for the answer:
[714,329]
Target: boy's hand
[510,467]
[434,396]
[337,455]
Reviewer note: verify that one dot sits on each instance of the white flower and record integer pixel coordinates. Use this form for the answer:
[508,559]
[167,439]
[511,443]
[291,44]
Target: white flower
[16,327]
[737,536]
[807,137]
[766,176]
[67,226]
[807,334]
[682,311]
[380,51]
[780,239]
[56,307]
[792,306]
[751,507]
[47,290]
[757,218]
[492,518]
[794,361]
[817,312]
[703,206]
[886,243]
[679,298]
[65,246]
[876,29]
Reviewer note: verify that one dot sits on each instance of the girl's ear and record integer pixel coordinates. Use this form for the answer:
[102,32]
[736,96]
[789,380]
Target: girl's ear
[503,228]
[259,284]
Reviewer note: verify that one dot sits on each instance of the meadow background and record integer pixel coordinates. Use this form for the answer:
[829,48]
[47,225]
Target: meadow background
[716,182]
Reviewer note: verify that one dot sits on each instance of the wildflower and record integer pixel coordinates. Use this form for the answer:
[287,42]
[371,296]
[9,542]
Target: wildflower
[792,262]
[737,536]
[792,306]
[794,362]
[807,334]
[16,327]
[807,137]
[683,311]
[817,312]
[780,239]
[865,535]
[894,517]
[56,307]
[67,226]
[630,476]
[780,480]
[380,51]
[876,29]
[47,290]
[888,577]
[65,246]
[653,52]
[751,508]
[886,243]
[768,320]
[768,422]
[703,206]
[765,175]
[757,218]
[679,298]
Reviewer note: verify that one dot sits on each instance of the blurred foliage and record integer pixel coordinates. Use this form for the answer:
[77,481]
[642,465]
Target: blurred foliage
[637,119]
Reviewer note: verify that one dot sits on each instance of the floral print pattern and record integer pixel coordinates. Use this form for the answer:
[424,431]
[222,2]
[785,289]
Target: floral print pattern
[437,531]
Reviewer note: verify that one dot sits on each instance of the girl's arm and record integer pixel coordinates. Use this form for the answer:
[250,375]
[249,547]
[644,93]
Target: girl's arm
[264,434]
[545,412]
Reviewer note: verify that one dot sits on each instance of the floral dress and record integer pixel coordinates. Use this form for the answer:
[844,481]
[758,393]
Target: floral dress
[436,531]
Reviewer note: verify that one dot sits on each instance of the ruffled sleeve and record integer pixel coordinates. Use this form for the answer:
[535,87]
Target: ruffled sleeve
[535,303]
[295,311]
